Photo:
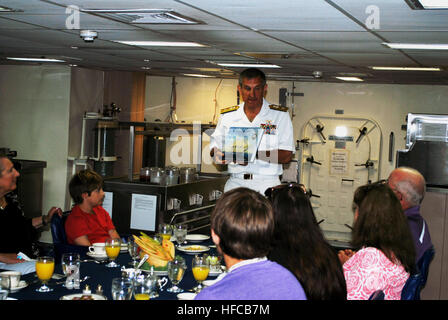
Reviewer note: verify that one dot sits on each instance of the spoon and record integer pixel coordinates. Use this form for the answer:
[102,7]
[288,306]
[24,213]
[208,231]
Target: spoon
[81,280]
[145,257]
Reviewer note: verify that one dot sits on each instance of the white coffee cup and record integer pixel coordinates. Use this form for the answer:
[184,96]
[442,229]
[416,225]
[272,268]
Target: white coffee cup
[98,248]
[14,277]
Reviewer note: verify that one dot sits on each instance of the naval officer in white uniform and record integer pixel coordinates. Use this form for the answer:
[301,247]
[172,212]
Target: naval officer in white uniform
[277,144]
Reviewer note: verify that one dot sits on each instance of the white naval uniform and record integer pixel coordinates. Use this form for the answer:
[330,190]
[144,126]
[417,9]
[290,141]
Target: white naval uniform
[278,134]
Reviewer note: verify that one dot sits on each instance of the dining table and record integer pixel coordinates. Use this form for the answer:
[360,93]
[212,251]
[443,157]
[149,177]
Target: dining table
[98,276]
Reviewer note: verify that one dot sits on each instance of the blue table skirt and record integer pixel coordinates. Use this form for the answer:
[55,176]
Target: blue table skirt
[101,275]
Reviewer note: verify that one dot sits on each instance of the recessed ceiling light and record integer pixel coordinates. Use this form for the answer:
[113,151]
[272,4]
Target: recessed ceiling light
[248,65]
[35,59]
[349,78]
[407,68]
[160,43]
[417,46]
[197,75]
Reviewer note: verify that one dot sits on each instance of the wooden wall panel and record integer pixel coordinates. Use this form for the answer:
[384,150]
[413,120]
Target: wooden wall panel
[138,115]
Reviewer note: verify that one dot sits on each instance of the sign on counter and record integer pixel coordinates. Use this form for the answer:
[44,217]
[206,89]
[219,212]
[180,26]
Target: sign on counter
[143,212]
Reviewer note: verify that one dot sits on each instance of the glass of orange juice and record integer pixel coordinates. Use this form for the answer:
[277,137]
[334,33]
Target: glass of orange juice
[200,268]
[165,231]
[113,247]
[44,271]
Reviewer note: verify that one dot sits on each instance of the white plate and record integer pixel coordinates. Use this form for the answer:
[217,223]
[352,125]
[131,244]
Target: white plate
[79,295]
[197,237]
[214,273]
[193,249]
[97,256]
[22,284]
[186,296]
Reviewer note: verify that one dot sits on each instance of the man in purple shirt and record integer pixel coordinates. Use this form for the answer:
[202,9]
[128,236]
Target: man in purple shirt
[409,186]
[242,225]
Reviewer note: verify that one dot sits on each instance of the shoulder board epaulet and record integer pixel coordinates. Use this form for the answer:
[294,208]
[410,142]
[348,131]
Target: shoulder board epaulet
[229,109]
[278,108]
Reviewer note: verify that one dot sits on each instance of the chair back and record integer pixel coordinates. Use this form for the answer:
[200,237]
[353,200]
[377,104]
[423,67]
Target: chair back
[412,287]
[58,228]
[377,295]
[423,264]
[60,243]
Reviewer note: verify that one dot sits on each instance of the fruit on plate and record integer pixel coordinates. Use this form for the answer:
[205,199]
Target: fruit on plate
[158,253]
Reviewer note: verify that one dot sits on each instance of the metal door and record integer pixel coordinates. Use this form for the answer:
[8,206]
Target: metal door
[337,155]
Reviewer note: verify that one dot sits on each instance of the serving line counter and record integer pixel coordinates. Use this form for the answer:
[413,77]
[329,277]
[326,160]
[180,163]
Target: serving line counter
[140,206]
[99,274]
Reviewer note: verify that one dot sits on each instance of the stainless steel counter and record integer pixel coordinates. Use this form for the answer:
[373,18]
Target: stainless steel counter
[188,203]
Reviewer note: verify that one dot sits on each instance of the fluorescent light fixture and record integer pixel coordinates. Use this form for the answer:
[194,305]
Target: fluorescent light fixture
[349,78]
[197,75]
[431,4]
[417,46]
[434,4]
[406,68]
[248,65]
[160,43]
[6,9]
[35,59]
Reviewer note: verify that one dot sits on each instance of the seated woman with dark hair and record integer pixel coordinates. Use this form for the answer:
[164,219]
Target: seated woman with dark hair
[299,245]
[385,254]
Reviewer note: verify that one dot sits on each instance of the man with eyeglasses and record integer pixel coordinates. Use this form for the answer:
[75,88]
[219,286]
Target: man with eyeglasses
[409,186]
[276,146]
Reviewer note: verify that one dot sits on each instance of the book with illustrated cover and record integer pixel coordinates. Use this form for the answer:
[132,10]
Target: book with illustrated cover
[241,143]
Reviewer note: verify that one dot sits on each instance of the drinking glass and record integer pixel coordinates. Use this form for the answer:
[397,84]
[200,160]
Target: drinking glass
[180,232]
[200,268]
[122,288]
[113,247]
[44,271]
[143,286]
[5,284]
[133,250]
[165,231]
[70,266]
[176,271]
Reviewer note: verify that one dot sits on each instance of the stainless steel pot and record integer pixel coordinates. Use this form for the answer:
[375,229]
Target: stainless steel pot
[172,175]
[187,174]
[157,175]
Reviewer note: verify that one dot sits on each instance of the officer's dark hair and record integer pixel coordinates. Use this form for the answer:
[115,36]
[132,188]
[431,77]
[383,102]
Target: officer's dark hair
[252,73]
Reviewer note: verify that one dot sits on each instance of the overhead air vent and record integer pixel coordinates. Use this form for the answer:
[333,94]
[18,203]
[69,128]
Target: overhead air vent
[144,16]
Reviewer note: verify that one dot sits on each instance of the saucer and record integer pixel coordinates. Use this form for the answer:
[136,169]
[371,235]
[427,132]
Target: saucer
[22,284]
[97,256]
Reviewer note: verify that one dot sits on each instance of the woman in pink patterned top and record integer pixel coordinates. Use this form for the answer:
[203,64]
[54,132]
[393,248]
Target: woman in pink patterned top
[385,254]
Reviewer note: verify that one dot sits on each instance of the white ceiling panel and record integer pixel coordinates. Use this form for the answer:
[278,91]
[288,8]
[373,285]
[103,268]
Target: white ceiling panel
[279,14]
[332,41]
